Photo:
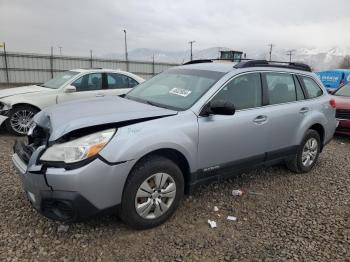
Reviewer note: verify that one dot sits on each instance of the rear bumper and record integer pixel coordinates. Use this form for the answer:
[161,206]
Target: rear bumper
[343,127]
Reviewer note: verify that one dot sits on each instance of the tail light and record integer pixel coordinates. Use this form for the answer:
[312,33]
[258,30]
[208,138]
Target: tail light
[332,103]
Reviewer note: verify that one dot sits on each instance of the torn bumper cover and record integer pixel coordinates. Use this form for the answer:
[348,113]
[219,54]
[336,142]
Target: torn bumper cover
[69,195]
[2,118]
[4,110]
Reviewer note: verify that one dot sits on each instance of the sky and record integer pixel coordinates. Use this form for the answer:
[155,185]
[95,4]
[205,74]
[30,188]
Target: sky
[82,25]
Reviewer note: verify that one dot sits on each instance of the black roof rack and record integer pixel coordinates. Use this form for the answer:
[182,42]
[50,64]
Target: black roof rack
[198,61]
[265,63]
[245,62]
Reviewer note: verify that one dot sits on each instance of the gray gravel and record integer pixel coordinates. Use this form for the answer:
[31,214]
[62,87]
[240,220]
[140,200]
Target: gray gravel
[293,217]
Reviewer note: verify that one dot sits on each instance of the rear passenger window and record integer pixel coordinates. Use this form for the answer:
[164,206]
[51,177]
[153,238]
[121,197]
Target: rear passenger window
[281,88]
[243,91]
[311,87]
[118,81]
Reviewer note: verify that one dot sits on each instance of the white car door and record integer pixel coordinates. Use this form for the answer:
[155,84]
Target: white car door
[89,85]
[118,84]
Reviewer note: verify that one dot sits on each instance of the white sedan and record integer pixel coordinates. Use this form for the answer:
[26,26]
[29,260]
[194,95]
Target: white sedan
[19,105]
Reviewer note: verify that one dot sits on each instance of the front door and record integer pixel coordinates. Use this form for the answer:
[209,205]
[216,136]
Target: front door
[238,140]
[89,85]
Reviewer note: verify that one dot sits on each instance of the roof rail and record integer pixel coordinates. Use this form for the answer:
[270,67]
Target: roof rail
[198,61]
[265,63]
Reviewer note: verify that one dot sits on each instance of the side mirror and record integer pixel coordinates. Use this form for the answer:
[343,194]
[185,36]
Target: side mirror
[219,107]
[331,92]
[70,89]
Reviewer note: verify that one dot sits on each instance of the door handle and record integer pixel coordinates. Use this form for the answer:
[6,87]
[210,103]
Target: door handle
[304,110]
[260,119]
[100,95]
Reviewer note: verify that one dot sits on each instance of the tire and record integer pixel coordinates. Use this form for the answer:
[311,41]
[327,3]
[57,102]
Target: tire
[296,164]
[19,126]
[158,206]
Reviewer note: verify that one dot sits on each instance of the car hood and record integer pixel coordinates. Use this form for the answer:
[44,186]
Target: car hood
[342,102]
[22,90]
[64,118]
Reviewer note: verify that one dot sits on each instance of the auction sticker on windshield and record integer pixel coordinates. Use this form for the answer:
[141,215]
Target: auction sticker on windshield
[180,92]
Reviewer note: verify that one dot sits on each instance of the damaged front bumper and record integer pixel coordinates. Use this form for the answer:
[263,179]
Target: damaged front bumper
[2,118]
[70,195]
[4,111]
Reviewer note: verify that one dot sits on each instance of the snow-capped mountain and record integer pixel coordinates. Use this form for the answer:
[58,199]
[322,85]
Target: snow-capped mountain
[318,59]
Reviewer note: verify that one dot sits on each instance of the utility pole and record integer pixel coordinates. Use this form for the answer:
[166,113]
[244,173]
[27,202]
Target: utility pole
[270,52]
[191,44]
[90,58]
[290,53]
[60,48]
[126,51]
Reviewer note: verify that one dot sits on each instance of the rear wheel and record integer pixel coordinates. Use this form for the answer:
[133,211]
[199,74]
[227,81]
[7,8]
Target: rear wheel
[307,154]
[152,193]
[20,119]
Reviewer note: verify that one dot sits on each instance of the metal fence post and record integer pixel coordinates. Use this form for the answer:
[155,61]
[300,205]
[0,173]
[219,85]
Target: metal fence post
[51,62]
[6,67]
[90,58]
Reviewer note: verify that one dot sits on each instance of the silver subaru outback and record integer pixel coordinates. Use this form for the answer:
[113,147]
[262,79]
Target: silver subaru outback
[192,124]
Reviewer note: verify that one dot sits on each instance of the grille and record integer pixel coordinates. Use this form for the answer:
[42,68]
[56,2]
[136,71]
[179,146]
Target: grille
[25,147]
[23,150]
[343,114]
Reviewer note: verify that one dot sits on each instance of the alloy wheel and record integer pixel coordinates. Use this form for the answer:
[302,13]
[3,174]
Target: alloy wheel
[310,152]
[155,196]
[21,121]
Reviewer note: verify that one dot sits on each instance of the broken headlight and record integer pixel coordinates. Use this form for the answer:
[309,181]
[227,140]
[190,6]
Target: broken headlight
[78,149]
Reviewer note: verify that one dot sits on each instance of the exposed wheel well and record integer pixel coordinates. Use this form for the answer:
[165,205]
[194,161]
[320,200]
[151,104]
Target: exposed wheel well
[320,130]
[24,104]
[175,156]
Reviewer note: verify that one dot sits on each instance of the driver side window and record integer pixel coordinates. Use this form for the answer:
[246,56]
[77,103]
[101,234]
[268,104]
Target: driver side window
[88,82]
[243,91]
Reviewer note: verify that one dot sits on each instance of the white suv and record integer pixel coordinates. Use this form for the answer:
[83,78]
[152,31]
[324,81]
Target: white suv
[19,105]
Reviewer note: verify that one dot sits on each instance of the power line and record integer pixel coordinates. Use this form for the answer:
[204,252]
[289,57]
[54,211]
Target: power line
[191,44]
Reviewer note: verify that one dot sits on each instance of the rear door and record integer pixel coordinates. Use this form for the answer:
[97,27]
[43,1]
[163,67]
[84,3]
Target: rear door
[287,108]
[89,85]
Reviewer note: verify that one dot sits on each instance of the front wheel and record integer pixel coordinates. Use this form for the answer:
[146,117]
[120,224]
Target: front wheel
[20,119]
[152,192]
[307,153]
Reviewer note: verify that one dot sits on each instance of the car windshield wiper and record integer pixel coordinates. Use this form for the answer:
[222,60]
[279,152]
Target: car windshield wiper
[151,103]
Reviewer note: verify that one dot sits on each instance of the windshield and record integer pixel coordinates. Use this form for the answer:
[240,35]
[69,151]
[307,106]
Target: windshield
[344,91]
[175,89]
[59,80]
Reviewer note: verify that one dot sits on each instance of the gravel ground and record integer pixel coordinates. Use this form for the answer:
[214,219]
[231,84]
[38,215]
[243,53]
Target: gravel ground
[290,217]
